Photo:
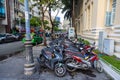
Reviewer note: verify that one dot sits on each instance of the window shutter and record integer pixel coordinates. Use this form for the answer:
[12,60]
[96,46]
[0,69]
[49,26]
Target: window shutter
[113,12]
[108,19]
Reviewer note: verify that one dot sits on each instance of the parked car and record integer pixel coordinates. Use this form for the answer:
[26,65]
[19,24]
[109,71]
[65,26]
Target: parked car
[20,36]
[6,37]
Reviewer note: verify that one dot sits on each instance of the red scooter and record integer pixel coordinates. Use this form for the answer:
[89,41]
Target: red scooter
[77,61]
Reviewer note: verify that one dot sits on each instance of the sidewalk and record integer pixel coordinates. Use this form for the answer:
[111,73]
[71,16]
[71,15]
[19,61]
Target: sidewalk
[13,69]
[110,71]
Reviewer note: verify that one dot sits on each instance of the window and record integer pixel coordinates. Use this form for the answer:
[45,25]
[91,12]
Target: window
[110,14]
[108,18]
[2,9]
[113,12]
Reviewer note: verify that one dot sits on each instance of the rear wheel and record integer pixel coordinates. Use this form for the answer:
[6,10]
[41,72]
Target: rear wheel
[60,69]
[70,69]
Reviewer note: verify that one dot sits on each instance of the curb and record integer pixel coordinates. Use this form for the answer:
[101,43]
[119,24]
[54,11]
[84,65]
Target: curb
[110,70]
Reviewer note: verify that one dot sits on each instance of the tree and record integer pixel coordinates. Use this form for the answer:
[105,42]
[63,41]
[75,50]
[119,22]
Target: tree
[22,20]
[55,5]
[35,22]
[46,25]
[69,6]
[21,1]
[43,6]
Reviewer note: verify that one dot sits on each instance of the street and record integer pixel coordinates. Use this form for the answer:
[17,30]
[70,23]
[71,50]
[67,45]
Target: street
[13,69]
[10,48]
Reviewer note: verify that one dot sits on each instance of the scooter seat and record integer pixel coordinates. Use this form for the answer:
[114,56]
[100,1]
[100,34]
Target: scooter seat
[73,50]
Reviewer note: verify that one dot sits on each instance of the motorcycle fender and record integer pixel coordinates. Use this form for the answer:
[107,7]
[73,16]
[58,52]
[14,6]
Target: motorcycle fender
[67,58]
[44,55]
[53,62]
[95,62]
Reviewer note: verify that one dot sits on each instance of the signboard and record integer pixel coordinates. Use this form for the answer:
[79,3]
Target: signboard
[57,19]
[71,32]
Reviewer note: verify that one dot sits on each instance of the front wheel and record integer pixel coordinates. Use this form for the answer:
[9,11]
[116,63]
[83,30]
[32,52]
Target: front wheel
[60,69]
[70,69]
[42,60]
[99,66]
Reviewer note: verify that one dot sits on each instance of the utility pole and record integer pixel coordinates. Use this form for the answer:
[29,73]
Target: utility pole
[29,66]
[19,24]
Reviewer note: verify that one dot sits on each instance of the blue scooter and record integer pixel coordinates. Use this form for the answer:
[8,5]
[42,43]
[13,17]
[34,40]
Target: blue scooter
[52,58]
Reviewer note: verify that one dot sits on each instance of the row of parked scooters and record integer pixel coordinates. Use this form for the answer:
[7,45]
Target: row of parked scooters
[62,55]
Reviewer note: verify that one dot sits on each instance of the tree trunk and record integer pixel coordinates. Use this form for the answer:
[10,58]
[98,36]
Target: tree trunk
[73,18]
[43,27]
[51,20]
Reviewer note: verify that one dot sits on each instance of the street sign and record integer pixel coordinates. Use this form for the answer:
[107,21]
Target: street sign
[71,32]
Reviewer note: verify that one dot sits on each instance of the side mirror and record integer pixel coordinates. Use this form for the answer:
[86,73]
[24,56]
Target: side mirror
[48,46]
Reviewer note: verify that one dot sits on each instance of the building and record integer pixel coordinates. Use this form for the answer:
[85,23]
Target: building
[93,16]
[4,16]
[11,13]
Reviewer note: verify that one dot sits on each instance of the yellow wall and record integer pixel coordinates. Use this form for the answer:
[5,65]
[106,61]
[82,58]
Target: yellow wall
[101,14]
[117,15]
[93,20]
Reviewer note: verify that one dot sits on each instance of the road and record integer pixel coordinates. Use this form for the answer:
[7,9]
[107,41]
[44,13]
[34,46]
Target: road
[8,48]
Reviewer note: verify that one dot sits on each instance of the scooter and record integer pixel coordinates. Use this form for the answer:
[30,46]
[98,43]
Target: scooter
[88,61]
[52,58]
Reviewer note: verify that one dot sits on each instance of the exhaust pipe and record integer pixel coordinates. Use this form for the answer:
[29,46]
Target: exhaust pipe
[82,66]
[73,65]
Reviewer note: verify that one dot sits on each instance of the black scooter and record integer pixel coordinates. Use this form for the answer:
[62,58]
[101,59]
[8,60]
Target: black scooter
[52,58]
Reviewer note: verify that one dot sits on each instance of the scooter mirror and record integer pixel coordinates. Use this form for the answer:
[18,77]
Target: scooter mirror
[48,46]
[81,48]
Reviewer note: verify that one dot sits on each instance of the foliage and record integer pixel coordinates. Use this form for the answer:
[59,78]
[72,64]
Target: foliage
[44,6]
[84,41]
[34,21]
[80,39]
[22,1]
[96,51]
[56,28]
[56,23]
[112,60]
[56,5]
[46,24]
[47,28]
[22,21]
[67,8]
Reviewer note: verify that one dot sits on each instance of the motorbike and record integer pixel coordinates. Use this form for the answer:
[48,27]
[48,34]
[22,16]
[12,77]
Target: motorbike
[78,61]
[52,58]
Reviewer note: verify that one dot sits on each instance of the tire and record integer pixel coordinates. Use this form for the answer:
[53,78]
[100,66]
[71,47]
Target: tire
[3,41]
[70,69]
[99,66]
[60,69]
[42,60]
